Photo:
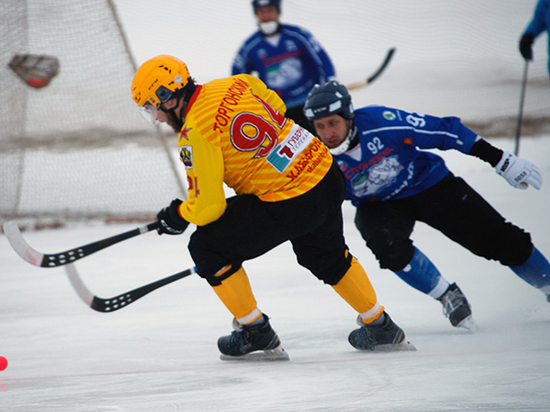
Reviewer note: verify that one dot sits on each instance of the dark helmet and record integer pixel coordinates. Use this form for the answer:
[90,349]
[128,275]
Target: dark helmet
[263,3]
[328,99]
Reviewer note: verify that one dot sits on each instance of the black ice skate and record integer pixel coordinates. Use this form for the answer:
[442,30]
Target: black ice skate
[384,337]
[457,308]
[254,342]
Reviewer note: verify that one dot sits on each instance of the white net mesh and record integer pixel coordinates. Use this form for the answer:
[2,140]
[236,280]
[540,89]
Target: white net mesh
[77,148]
[65,150]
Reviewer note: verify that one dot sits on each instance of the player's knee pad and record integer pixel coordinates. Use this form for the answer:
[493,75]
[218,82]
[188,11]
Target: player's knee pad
[222,274]
[210,263]
[515,246]
[392,253]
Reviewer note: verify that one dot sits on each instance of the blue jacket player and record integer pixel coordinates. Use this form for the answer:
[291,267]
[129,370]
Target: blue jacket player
[539,23]
[393,184]
[286,58]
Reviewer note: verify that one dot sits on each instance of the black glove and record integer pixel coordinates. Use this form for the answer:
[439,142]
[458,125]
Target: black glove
[170,221]
[525,46]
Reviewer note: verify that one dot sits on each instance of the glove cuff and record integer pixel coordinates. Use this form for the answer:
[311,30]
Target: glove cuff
[504,164]
[528,38]
[176,221]
[485,151]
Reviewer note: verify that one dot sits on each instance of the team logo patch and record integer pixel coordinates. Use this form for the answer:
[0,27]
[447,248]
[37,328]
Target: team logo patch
[342,165]
[389,115]
[186,156]
[376,178]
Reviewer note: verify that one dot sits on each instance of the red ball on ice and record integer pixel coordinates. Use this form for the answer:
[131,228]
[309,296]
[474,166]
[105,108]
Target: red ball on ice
[3,363]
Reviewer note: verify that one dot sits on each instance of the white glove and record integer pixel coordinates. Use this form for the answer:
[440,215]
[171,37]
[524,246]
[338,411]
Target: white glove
[519,172]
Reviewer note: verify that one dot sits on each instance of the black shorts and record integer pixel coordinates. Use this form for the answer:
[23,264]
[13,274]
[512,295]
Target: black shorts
[250,227]
[450,206]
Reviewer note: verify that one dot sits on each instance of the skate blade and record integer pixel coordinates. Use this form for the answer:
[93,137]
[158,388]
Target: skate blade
[469,324]
[276,354]
[396,347]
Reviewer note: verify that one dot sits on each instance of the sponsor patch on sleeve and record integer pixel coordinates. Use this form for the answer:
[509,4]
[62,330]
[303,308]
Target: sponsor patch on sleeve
[186,156]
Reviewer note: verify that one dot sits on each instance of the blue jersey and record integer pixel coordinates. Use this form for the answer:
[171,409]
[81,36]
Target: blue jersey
[540,22]
[541,18]
[290,62]
[386,163]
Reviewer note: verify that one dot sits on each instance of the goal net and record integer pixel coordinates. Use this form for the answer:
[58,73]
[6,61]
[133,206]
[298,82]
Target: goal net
[77,149]
[66,149]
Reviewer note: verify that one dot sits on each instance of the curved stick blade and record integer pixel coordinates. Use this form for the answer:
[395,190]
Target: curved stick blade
[18,243]
[78,284]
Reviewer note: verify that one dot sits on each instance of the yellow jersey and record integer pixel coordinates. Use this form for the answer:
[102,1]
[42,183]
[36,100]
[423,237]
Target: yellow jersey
[235,133]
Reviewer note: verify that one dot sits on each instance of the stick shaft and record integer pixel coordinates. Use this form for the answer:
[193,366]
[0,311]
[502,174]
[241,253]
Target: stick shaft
[521,101]
[362,83]
[122,300]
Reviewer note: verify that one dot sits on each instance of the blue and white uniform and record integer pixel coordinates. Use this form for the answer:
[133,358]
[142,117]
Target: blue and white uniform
[540,22]
[386,163]
[393,184]
[290,62]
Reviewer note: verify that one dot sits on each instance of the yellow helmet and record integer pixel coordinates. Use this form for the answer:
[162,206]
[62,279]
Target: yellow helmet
[158,80]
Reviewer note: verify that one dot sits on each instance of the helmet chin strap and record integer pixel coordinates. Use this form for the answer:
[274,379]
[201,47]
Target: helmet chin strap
[345,145]
[185,95]
[177,119]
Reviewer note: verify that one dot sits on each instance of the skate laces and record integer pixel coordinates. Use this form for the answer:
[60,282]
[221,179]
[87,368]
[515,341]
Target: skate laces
[365,337]
[238,339]
[369,336]
[242,334]
[451,300]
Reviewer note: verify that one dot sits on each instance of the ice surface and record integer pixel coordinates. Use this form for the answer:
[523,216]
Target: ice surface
[160,354]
